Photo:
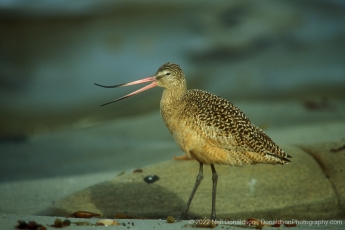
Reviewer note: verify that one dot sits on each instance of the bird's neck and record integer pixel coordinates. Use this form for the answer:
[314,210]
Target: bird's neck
[171,96]
[171,106]
[172,103]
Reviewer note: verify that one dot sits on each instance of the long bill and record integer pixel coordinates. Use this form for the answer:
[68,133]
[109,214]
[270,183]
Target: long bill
[148,79]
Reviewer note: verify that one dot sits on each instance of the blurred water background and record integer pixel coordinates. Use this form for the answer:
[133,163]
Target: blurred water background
[250,52]
[52,52]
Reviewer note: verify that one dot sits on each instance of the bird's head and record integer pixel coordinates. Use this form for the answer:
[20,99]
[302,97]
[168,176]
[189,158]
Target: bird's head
[169,76]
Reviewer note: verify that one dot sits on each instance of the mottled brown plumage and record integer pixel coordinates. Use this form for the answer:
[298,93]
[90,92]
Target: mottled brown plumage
[208,128]
[211,129]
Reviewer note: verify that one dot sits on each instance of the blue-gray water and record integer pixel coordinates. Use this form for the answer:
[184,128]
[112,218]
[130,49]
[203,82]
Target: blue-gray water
[52,54]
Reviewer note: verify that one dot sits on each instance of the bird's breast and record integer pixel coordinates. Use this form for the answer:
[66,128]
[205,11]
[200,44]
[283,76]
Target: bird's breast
[188,135]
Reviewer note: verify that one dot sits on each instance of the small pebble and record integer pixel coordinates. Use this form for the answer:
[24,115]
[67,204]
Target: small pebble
[150,179]
[107,222]
[21,224]
[32,225]
[84,214]
[83,223]
[66,223]
[41,227]
[170,219]
[206,224]
[58,223]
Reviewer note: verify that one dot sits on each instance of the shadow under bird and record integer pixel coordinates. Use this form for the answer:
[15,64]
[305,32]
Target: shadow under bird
[207,128]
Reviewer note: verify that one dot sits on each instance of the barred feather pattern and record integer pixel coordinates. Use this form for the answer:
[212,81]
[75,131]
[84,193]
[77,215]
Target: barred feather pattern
[218,117]
[213,130]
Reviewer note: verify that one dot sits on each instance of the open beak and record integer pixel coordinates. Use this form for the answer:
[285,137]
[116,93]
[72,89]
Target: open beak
[148,79]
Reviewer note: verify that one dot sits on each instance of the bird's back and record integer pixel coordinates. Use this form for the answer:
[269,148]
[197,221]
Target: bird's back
[221,131]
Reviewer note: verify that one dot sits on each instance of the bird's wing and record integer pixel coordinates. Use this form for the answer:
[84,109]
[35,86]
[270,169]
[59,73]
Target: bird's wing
[226,126]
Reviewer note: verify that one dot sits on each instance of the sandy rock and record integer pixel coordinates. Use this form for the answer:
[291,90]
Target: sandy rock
[297,190]
[331,158]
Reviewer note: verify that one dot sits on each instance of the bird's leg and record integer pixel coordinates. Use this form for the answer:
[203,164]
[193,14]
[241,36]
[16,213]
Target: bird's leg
[214,191]
[196,185]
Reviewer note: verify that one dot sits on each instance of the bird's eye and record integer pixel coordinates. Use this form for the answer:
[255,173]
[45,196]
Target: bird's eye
[167,74]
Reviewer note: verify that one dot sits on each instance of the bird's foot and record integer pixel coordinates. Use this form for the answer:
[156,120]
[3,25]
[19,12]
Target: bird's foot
[184,216]
[182,158]
[213,216]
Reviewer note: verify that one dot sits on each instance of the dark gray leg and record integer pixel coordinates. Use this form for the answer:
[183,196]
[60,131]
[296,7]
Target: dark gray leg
[196,185]
[214,191]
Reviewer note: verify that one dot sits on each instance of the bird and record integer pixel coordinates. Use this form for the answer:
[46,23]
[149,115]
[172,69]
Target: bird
[207,127]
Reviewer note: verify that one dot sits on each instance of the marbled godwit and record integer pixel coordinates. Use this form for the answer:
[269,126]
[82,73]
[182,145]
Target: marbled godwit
[207,128]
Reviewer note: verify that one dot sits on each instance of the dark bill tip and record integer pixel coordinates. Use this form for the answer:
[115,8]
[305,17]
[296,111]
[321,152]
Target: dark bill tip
[119,99]
[110,86]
